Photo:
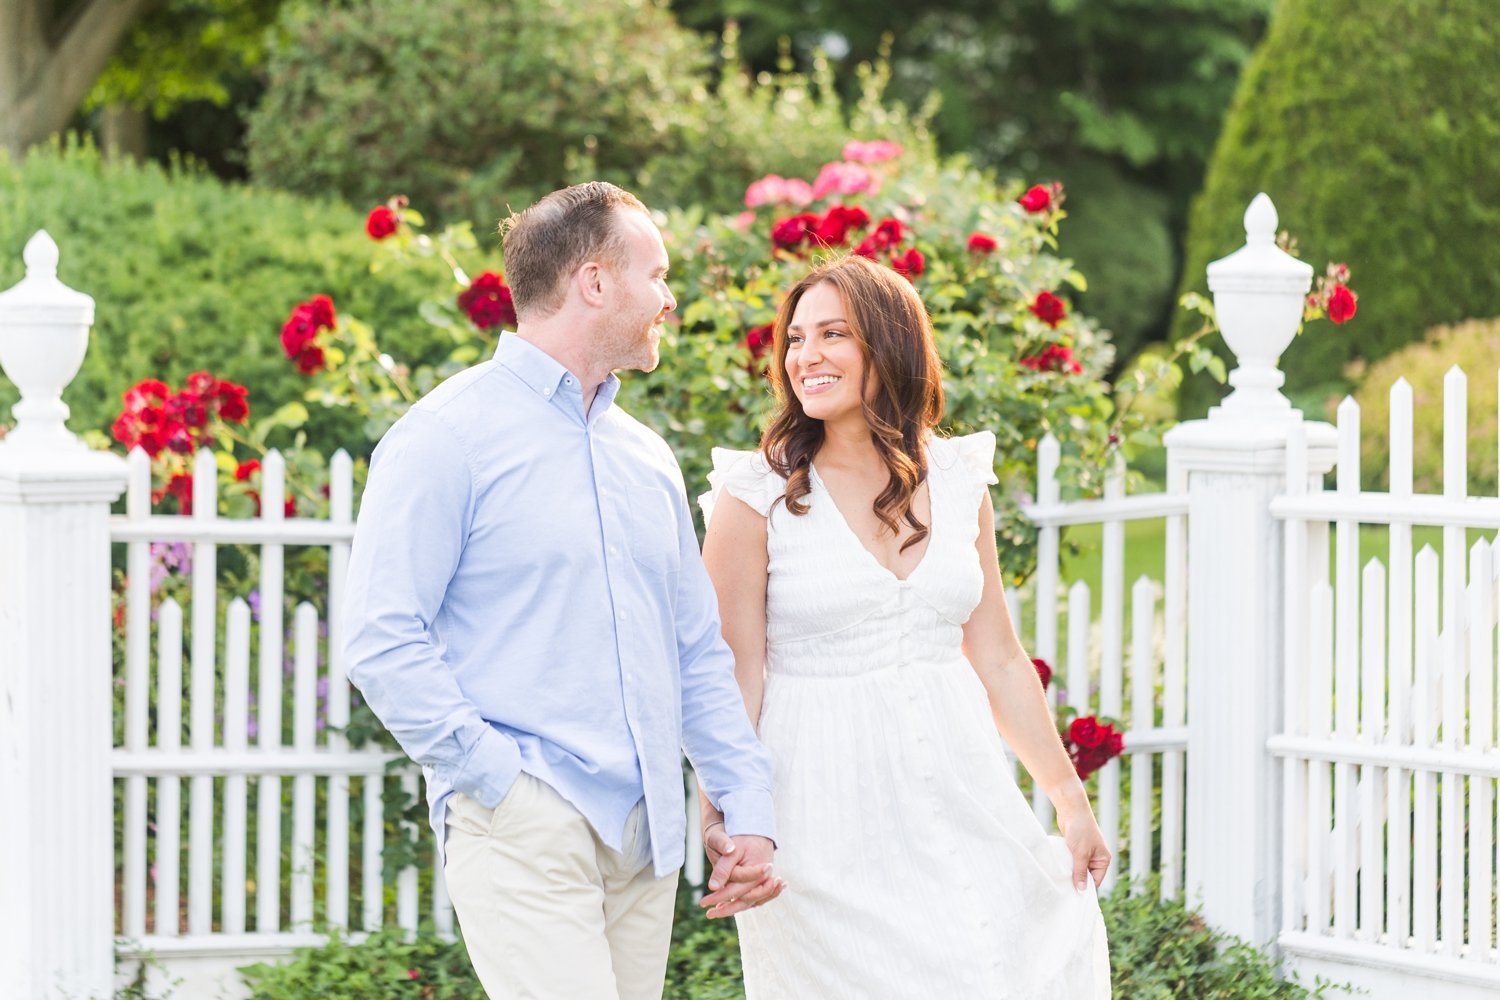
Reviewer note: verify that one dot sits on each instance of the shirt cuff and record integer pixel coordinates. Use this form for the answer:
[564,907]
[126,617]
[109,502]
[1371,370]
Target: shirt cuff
[748,813]
[490,769]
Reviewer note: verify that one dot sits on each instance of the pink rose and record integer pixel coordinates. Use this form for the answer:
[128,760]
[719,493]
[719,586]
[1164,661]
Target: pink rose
[842,178]
[875,151]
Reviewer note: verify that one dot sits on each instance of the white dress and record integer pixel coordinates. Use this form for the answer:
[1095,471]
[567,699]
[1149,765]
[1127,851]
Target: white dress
[914,866]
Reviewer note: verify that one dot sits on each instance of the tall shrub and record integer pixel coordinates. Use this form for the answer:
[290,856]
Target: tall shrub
[467,107]
[1372,124]
[189,273]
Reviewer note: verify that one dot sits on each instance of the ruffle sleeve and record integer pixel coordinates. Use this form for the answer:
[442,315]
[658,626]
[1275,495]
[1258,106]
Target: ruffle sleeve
[747,476]
[970,458]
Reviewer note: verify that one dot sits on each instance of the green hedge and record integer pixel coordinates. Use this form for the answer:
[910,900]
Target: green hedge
[1372,125]
[189,273]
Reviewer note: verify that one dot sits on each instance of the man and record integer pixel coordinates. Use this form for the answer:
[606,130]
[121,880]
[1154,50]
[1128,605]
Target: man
[529,616]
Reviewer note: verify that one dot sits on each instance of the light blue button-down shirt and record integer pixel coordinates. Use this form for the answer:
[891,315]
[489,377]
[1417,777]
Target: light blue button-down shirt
[525,593]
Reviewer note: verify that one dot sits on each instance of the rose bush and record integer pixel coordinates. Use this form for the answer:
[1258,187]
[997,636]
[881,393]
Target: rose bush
[1019,361]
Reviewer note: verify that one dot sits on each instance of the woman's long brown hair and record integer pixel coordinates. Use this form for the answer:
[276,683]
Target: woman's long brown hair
[890,324]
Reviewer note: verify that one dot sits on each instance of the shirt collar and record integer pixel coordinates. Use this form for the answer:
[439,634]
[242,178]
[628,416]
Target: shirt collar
[548,377]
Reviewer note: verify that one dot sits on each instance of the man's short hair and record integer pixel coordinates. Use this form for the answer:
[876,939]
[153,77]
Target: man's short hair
[547,242]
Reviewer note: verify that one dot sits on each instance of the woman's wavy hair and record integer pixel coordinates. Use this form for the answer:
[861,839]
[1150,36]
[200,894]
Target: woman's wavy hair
[890,324]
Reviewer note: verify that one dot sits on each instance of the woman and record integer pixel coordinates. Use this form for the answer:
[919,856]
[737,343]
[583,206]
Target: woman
[855,563]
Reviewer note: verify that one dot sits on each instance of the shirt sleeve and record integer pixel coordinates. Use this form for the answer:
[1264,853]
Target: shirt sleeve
[733,767]
[414,517]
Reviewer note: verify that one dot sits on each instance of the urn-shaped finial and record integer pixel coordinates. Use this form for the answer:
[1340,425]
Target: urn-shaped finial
[44,330]
[1258,294]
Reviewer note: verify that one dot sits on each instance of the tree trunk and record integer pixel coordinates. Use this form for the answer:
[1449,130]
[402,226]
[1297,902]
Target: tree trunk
[122,132]
[46,69]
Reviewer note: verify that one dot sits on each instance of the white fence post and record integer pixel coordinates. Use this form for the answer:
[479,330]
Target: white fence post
[56,823]
[1234,462]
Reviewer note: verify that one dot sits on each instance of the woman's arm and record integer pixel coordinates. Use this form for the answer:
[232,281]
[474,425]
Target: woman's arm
[1021,710]
[734,551]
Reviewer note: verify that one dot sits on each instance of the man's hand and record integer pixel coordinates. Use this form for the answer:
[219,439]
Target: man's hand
[741,876]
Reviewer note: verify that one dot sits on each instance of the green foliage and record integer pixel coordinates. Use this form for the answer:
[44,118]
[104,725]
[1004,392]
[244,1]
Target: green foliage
[396,96]
[1473,346]
[1370,123]
[186,50]
[1160,950]
[380,967]
[189,273]
[1118,235]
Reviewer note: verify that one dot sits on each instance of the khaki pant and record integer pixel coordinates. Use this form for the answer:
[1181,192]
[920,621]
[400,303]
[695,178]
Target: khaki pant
[547,910]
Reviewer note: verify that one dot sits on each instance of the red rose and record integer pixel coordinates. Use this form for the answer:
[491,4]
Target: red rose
[413,974]
[1054,358]
[888,233]
[322,310]
[1341,304]
[788,233]
[981,244]
[311,360]
[203,383]
[179,440]
[289,509]
[381,222]
[487,301]
[910,264]
[231,402]
[758,339]
[245,470]
[148,392]
[1049,309]
[180,488]
[1043,670]
[299,330]
[1084,732]
[151,442]
[191,409]
[1036,199]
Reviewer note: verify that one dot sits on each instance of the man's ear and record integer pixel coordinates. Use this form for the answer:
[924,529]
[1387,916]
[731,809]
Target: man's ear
[590,280]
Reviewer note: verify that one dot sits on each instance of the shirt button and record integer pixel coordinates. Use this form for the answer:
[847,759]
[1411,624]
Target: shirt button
[613,551]
[622,616]
[630,678]
[546,392]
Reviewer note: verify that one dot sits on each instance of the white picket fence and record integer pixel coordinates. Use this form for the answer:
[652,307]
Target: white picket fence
[264,858]
[1389,743]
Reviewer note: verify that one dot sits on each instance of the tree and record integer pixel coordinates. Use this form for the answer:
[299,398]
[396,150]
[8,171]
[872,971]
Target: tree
[51,52]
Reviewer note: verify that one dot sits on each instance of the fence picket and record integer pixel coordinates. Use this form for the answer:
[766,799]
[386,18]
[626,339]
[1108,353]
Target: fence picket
[203,698]
[1295,646]
[372,848]
[1399,656]
[1372,875]
[1424,720]
[1048,568]
[1455,546]
[137,692]
[341,500]
[1174,689]
[168,786]
[270,691]
[236,724]
[304,737]
[1142,718]
[1319,804]
[1346,673]
[1481,822]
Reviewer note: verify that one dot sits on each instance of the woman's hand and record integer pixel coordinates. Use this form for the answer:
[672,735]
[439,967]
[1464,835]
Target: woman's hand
[1086,843]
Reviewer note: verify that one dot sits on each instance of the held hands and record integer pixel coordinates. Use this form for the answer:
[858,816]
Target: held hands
[1086,843]
[742,877]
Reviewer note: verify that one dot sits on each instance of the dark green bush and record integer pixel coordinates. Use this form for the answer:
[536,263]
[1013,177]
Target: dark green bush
[385,966]
[190,273]
[1372,125]
[394,96]
[465,106]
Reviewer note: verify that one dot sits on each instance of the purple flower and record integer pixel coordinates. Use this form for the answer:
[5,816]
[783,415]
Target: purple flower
[253,599]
